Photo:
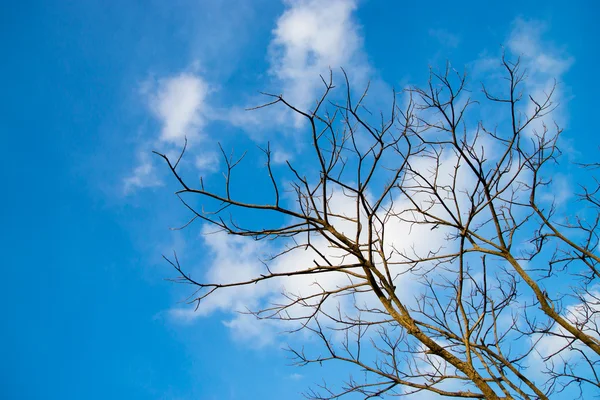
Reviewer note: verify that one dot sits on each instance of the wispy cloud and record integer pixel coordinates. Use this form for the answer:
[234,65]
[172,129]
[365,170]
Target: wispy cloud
[207,162]
[310,37]
[178,103]
[142,176]
[445,38]
[544,64]
[295,376]
[541,56]
[559,348]
[234,258]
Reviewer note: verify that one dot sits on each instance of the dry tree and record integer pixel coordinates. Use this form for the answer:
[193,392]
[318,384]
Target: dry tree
[454,273]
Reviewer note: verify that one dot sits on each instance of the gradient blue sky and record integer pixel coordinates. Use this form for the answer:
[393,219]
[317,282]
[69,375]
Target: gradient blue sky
[90,87]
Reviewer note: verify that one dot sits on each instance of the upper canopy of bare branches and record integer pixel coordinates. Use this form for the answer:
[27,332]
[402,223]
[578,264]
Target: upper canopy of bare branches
[443,246]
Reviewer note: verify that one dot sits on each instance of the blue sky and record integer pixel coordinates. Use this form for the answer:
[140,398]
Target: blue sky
[91,87]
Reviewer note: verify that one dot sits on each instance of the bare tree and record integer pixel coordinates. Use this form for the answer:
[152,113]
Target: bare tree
[501,298]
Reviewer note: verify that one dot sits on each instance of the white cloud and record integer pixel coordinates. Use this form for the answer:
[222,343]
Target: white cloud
[311,37]
[560,191]
[281,156]
[545,64]
[247,330]
[207,162]
[178,104]
[143,175]
[541,60]
[295,376]
[541,56]
[586,317]
[234,258]
[238,259]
